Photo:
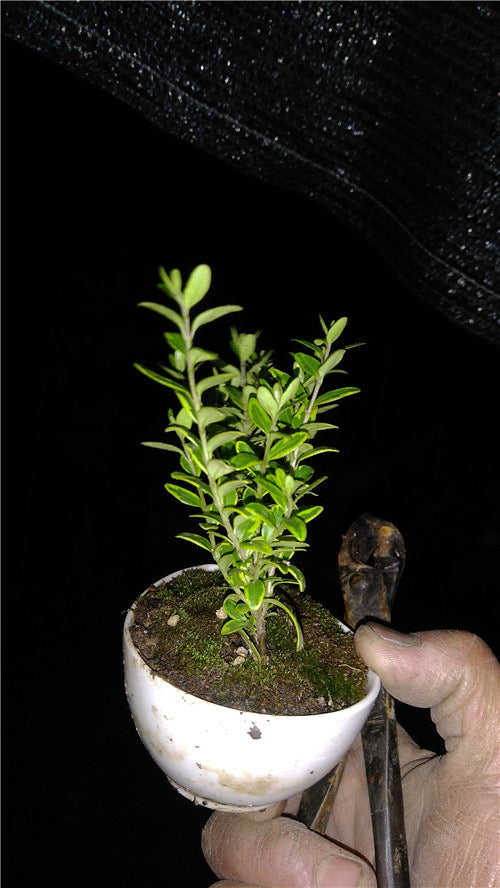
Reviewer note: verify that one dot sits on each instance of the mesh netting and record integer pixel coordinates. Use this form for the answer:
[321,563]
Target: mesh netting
[383,112]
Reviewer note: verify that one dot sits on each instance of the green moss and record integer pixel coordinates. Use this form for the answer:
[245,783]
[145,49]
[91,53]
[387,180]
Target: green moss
[325,675]
[196,586]
[334,685]
[199,655]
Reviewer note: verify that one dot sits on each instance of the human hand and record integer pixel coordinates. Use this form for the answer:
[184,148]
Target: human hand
[452,802]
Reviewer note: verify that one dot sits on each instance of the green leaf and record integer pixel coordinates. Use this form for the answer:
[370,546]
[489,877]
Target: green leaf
[176,278]
[307,363]
[170,284]
[286,548]
[313,484]
[224,548]
[235,609]
[198,355]
[336,394]
[234,395]
[196,539]
[224,561]
[161,446]
[218,469]
[335,330]
[297,575]
[209,519]
[187,466]
[187,405]
[290,391]
[243,344]
[173,374]
[331,362]
[286,444]
[308,344]
[298,417]
[315,451]
[244,460]
[243,446]
[205,317]
[268,532]
[181,425]
[163,380]
[313,427]
[220,439]
[310,513]
[237,577]
[262,512]
[175,341]
[254,594]
[233,626]
[182,428]
[230,498]
[279,497]
[212,381]
[257,544]
[293,617]
[191,479]
[297,527]
[228,486]
[280,476]
[245,527]
[208,415]
[303,473]
[258,415]
[283,378]
[178,361]
[277,392]
[185,496]
[166,312]
[325,328]
[195,454]
[267,401]
[197,285]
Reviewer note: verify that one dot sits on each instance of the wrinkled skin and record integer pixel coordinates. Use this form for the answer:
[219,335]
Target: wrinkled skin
[452,802]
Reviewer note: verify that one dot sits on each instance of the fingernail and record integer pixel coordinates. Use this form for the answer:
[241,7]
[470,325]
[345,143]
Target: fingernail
[387,633]
[337,871]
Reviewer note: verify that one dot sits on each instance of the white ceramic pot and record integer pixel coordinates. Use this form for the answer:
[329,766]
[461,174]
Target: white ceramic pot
[227,759]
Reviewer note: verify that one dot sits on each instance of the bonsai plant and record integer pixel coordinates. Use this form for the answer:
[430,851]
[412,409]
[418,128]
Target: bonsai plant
[239,639]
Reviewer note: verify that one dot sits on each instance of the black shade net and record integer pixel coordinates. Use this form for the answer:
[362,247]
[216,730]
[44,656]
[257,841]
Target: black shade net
[383,112]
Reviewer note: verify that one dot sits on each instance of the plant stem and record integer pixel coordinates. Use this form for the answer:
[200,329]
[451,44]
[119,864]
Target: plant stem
[260,633]
[197,405]
[319,383]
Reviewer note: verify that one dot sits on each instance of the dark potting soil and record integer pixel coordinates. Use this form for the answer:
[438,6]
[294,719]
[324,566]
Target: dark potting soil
[178,633]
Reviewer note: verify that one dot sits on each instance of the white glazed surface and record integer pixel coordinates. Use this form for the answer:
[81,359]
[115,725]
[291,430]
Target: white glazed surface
[226,758]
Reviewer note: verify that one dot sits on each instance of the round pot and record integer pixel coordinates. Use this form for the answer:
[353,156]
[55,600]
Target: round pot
[229,759]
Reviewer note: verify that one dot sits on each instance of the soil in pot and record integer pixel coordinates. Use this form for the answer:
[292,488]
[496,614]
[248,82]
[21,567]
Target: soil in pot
[177,632]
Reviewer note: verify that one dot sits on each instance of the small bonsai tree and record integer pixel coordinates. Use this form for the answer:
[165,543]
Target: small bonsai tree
[245,433]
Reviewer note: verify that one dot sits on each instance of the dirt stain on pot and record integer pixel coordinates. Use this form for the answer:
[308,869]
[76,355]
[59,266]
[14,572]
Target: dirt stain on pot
[246,783]
[164,747]
[255,732]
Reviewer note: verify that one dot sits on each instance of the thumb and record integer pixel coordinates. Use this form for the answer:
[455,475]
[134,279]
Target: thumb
[279,853]
[454,673]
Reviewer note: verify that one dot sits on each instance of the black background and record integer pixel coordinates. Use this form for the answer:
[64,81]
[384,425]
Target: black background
[95,198]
